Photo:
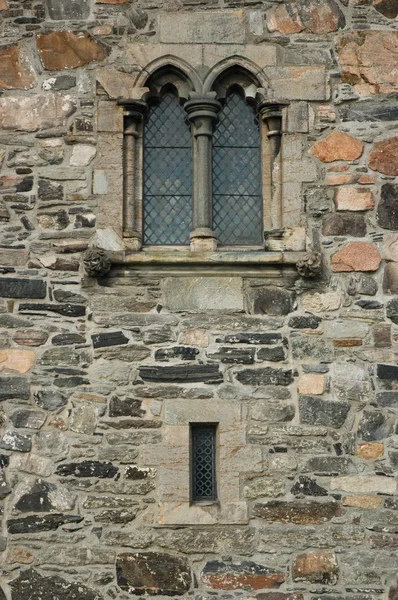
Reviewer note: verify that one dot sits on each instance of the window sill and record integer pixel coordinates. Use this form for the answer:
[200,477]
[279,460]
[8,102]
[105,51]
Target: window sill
[231,262]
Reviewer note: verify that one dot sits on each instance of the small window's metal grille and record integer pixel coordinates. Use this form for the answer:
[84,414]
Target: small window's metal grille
[237,202]
[167,174]
[203,462]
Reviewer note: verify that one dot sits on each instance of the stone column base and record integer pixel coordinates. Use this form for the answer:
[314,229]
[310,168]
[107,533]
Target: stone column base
[203,239]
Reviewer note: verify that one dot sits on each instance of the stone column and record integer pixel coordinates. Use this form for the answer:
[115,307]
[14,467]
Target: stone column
[202,112]
[270,112]
[134,111]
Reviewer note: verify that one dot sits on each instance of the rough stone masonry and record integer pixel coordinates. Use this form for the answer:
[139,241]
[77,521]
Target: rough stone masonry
[100,378]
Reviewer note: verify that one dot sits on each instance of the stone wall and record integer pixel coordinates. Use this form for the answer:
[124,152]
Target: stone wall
[100,379]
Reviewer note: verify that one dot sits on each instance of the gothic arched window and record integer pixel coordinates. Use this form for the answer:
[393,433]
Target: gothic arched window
[167,198]
[237,199]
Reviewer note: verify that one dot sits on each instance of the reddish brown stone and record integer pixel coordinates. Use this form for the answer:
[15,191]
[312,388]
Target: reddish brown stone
[3,5]
[315,16]
[368,61]
[370,450]
[30,337]
[347,343]
[384,157]
[15,71]
[316,567]
[356,256]
[340,179]
[337,146]
[366,179]
[353,198]
[67,50]
[300,513]
[246,575]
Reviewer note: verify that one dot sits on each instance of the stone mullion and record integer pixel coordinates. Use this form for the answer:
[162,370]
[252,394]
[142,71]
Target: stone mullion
[202,112]
[132,173]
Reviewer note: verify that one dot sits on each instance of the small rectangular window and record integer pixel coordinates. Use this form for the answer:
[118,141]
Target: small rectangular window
[203,462]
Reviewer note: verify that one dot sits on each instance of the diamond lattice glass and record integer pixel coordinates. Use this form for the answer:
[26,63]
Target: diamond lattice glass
[167,175]
[204,463]
[237,202]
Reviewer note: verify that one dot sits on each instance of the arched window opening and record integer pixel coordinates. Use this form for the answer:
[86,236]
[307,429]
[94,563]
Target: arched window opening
[167,199]
[237,197]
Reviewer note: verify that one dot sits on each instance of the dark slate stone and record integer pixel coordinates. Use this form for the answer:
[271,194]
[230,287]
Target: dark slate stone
[135,473]
[50,400]
[389,399]
[369,304]
[36,500]
[13,287]
[35,523]
[2,594]
[251,338]
[374,426]
[25,185]
[308,487]
[30,584]
[182,352]
[68,339]
[391,503]
[304,322]
[14,387]
[20,442]
[265,376]
[387,211]
[70,382]
[362,284]
[129,407]
[318,411]
[389,9]
[344,224]
[73,9]
[153,573]
[392,310]
[64,82]
[66,310]
[29,418]
[246,575]
[49,190]
[113,338]
[269,300]
[330,465]
[243,356]
[369,110]
[300,513]
[181,373]
[272,354]
[88,468]
[315,368]
[387,372]
[65,296]
[4,461]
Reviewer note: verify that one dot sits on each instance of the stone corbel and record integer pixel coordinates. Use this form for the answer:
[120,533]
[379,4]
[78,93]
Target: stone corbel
[270,112]
[96,262]
[310,265]
[134,112]
[202,112]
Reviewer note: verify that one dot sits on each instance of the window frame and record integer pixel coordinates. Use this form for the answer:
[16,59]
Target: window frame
[202,109]
[193,429]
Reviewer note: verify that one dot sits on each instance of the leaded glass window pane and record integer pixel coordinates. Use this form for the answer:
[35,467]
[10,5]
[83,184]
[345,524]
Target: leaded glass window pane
[167,174]
[203,462]
[237,201]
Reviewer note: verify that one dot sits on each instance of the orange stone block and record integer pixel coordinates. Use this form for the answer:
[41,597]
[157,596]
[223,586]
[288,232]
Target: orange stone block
[280,20]
[311,383]
[356,256]
[366,179]
[315,567]
[384,157]
[353,198]
[362,501]
[370,450]
[3,5]
[340,179]
[67,50]
[16,361]
[337,146]
[347,343]
[15,71]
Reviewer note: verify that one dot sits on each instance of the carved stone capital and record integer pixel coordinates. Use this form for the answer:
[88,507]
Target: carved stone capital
[96,262]
[310,265]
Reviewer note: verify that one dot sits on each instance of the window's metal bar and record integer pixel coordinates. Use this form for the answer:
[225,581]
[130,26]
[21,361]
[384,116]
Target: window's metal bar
[203,463]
